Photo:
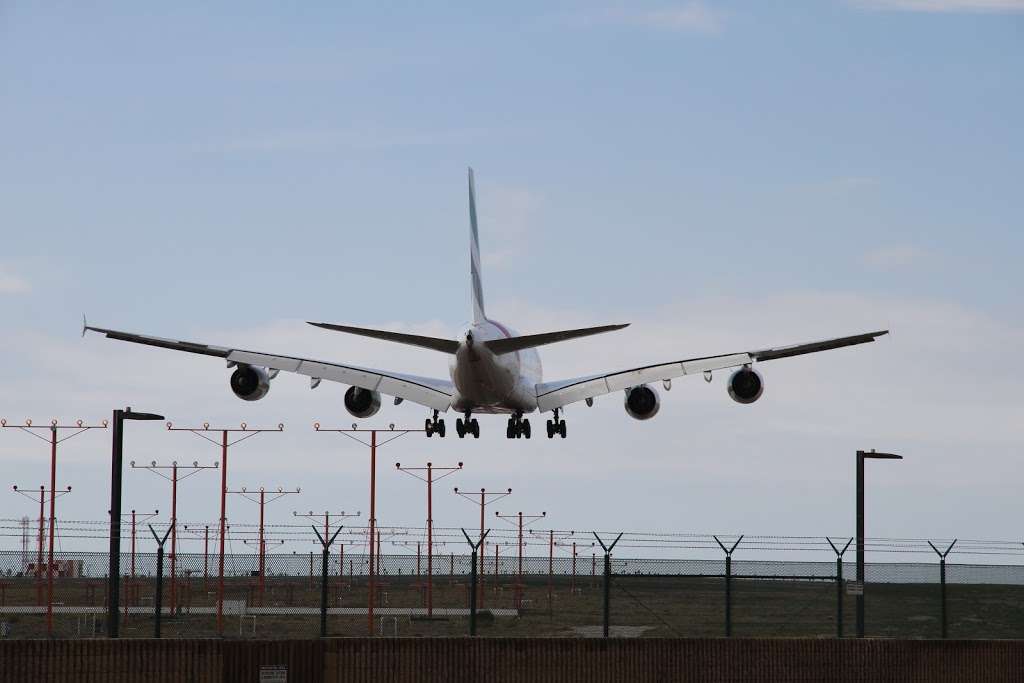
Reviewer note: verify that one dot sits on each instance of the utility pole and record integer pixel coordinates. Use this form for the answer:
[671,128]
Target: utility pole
[145,517]
[529,519]
[206,551]
[116,475]
[471,497]
[225,442]
[429,480]
[552,534]
[141,517]
[327,526]
[861,457]
[387,436]
[54,429]
[262,502]
[40,497]
[174,477]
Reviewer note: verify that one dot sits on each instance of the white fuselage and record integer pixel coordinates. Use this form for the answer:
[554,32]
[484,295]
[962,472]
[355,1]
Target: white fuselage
[490,383]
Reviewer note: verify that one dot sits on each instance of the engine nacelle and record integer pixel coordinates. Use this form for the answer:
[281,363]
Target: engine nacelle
[362,402]
[642,402]
[250,383]
[746,385]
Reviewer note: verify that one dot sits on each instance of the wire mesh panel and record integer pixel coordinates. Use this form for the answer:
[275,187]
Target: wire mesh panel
[984,601]
[553,595]
[901,600]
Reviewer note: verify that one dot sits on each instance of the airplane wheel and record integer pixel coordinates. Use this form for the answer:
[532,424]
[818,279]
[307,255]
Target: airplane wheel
[428,428]
[525,428]
[475,428]
[510,432]
[551,430]
[440,428]
[460,429]
[561,429]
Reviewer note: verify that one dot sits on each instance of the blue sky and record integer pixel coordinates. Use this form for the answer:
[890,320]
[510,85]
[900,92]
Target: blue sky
[763,170]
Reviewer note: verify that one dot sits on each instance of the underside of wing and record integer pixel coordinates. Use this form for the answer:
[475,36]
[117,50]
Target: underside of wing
[430,392]
[552,395]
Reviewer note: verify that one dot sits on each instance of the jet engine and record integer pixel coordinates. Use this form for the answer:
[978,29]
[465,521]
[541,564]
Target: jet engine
[362,402]
[250,383]
[746,385]
[642,402]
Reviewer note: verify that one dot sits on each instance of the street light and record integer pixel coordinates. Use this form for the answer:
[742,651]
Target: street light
[114,574]
[861,456]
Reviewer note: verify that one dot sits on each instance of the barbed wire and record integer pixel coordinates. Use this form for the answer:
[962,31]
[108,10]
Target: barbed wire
[632,540]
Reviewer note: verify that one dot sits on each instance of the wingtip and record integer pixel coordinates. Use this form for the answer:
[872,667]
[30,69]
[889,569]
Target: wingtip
[85,325]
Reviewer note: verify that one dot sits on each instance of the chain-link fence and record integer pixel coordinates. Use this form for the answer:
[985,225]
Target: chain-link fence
[421,592]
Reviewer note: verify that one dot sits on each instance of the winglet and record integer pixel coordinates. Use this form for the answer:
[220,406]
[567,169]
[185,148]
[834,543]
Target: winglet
[85,325]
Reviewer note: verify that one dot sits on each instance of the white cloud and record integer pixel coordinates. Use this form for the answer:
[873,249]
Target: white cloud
[11,283]
[693,16]
[895,256]
[947,6]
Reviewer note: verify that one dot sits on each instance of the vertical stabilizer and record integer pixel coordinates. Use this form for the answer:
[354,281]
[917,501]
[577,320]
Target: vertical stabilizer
[477,290]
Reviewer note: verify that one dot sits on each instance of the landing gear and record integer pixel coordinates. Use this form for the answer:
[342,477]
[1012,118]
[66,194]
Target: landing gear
[434,426]
[467,426]
[517,427]
[556,426]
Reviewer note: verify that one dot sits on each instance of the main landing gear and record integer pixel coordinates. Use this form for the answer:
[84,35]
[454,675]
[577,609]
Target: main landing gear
[517,427]
[434,426]
[556,426]
[467,426]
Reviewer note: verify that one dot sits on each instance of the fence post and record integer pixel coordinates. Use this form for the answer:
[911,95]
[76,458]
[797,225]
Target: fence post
[326,543]
[473,578]
[839,584]
[158,599]
[607,578]
[472,595]
[728,583]
[942,583]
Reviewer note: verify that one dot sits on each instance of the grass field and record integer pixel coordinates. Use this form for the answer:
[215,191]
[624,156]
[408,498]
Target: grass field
[652,606]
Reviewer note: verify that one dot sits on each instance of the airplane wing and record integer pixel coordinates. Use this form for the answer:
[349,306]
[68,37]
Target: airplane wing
[553,395]
[432,393]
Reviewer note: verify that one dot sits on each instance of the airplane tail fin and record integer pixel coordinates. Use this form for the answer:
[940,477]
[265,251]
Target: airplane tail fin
[477,288]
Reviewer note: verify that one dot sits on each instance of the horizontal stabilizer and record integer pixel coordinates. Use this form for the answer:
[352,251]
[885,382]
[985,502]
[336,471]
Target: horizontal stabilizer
[500,346]
[435,343]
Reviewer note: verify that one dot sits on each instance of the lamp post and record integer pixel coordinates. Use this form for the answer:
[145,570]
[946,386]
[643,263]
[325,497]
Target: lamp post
[114,574]
[861,457]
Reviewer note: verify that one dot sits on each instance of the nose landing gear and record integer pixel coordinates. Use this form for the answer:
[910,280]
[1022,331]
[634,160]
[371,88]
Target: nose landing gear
[467,426]
[556,426]
[434,426]
[517,427]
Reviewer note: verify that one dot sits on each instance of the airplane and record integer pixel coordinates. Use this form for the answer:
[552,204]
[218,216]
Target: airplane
[492,369]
